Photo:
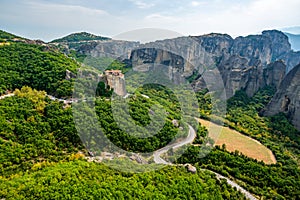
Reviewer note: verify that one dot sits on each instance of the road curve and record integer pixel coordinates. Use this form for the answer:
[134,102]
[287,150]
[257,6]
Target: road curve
[156,155]
[189,139]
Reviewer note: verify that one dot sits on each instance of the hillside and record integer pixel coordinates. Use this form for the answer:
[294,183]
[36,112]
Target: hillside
[81,180]
[7,36]
[39,66]
[81,149]
[80,37]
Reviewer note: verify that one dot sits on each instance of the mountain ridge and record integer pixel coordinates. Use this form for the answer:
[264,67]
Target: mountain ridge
[246,63]
[79,37]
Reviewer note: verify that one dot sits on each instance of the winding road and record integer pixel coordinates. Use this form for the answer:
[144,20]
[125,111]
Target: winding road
[189,139]
[157,154]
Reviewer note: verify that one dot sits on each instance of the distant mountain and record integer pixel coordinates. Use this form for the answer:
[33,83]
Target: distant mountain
[293,29]
[294,40]
[245,63]
[78,37]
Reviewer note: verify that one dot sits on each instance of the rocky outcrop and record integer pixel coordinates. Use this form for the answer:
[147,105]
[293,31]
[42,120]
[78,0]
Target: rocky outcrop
[256,48]
[291,59]
[111,48]
[274,73]
[115,79]
[191,168]
[247,63]
[87,81]
[237,74]
[280,44]
[286,98]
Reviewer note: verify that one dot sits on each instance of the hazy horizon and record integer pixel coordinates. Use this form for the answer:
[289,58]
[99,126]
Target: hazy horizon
[48,20]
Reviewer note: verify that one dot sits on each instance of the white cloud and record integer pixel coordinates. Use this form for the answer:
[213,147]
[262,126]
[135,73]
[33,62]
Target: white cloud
[233,18]
[190,17]
[61,8]
[197,3]
[141,4]
[162,18]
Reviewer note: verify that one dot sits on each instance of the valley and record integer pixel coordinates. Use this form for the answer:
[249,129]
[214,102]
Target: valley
[50,95]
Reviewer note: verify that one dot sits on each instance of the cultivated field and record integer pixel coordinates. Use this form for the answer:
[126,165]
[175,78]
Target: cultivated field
[237,141]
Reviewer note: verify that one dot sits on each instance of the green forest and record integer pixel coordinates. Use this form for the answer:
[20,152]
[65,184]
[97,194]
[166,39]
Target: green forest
[43,157]
[36,66]
[77,37]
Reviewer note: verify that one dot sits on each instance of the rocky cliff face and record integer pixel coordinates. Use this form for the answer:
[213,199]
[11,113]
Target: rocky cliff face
[248,63]
[280,44]
[287,98]
[274,73]
[102,48]
[291,59]
[244,63]
[108,48]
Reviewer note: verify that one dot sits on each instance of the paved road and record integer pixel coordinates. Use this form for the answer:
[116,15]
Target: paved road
[189,139]
[157,159]
[247,194]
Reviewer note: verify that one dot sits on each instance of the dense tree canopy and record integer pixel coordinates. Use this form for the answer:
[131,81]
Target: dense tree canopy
[35,66]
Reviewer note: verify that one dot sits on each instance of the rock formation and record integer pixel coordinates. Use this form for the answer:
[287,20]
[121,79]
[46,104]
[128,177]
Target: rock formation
[88,81]
[291,59]
[286,99]
[247,63]
[191,168]
[115,79]
[243,62]
[107,48]
[274,73]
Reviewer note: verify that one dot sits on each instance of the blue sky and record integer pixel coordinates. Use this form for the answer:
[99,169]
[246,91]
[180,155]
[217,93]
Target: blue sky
[52,19]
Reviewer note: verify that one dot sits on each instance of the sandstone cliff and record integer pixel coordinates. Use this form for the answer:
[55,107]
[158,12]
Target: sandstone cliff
[108,48]
[287,98]
[248,63]
[244,62]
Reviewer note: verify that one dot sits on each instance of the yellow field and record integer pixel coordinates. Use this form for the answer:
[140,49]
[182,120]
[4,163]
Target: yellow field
[237,141]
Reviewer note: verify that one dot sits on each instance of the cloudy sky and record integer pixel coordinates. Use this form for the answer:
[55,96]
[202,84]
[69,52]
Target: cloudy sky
[54,18]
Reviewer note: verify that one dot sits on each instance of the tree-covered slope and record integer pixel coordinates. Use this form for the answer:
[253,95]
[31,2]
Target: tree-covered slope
[82,180]
[38,160]
[39,67]
[79,37]
[34,129]
[275,181]
[7,36]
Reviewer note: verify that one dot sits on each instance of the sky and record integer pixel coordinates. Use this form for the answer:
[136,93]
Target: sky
[47,20]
